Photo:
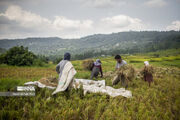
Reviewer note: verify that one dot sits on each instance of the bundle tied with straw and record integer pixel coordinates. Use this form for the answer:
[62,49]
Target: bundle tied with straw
[88,64]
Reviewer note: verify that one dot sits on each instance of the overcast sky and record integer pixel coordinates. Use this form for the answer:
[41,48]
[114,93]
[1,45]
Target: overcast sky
[78,18]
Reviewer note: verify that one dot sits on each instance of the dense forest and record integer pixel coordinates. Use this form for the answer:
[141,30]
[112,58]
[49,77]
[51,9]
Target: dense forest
[98,44]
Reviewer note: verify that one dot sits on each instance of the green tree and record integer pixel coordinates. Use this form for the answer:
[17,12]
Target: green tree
[19,56]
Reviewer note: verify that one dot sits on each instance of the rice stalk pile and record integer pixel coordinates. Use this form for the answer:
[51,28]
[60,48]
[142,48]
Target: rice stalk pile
[50,81]
[149,69]
[109,74]
[127,71]
[159,72]
[88,64]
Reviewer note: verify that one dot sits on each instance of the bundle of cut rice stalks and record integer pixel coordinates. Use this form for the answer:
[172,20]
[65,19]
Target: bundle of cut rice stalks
[88,64]
[124,75]
[109,74]
[127,71]
[50,81]
[148,69]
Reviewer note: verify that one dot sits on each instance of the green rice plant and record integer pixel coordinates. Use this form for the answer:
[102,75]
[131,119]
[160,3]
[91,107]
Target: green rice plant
[155,60]
[137,60]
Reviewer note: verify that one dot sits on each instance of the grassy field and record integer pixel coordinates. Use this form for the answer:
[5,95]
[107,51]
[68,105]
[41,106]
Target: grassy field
[161,101]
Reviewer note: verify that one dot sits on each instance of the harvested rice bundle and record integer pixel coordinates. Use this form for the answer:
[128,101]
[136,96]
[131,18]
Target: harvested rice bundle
[149,69]
[88,64]
[128,71]
[50,81]
[124,74]
[147,73]
[109,74]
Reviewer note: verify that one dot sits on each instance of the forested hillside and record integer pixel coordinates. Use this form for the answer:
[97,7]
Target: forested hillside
[102,44]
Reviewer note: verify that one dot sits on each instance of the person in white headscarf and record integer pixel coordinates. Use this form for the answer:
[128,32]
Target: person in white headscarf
[147,75]
[146,63]
[96,69]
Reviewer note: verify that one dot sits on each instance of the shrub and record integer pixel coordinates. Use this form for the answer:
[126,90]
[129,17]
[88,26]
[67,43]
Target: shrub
[19,56]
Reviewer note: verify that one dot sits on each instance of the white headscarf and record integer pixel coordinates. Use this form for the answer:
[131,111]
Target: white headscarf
[97,63]
[146,63]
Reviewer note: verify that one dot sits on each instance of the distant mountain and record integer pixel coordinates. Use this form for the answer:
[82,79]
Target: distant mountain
[122,42]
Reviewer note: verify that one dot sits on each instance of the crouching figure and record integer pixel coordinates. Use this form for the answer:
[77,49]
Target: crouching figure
[96,68]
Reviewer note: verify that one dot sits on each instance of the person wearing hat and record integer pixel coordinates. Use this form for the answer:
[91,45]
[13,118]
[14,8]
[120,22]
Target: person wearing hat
[96,69]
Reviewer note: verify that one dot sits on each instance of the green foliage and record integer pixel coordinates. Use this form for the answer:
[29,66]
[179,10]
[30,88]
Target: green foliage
[19,56]
[2,50]
[38,62]
[57,60]
[100,44]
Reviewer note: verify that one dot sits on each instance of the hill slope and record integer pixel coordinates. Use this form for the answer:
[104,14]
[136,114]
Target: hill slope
[123,42]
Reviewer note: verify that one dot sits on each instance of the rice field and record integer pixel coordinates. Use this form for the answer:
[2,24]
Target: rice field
[161,101]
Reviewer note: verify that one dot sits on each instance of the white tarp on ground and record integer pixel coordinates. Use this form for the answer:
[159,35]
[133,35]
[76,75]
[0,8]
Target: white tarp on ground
[99,87]
[40,85]
[92,87]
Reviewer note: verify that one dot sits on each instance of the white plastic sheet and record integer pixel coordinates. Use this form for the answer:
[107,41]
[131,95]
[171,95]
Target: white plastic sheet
[99,87]
[91,86]
[40,85]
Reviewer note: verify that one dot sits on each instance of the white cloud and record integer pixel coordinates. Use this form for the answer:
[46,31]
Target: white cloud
[25,18]
[123,23]
[103,3]
[175,25]
[22,23]
[156,3]
[41,25]
[61,23]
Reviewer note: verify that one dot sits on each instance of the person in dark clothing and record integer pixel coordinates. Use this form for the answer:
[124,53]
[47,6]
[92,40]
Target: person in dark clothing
[147,75]
[62,63]
[96,69]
